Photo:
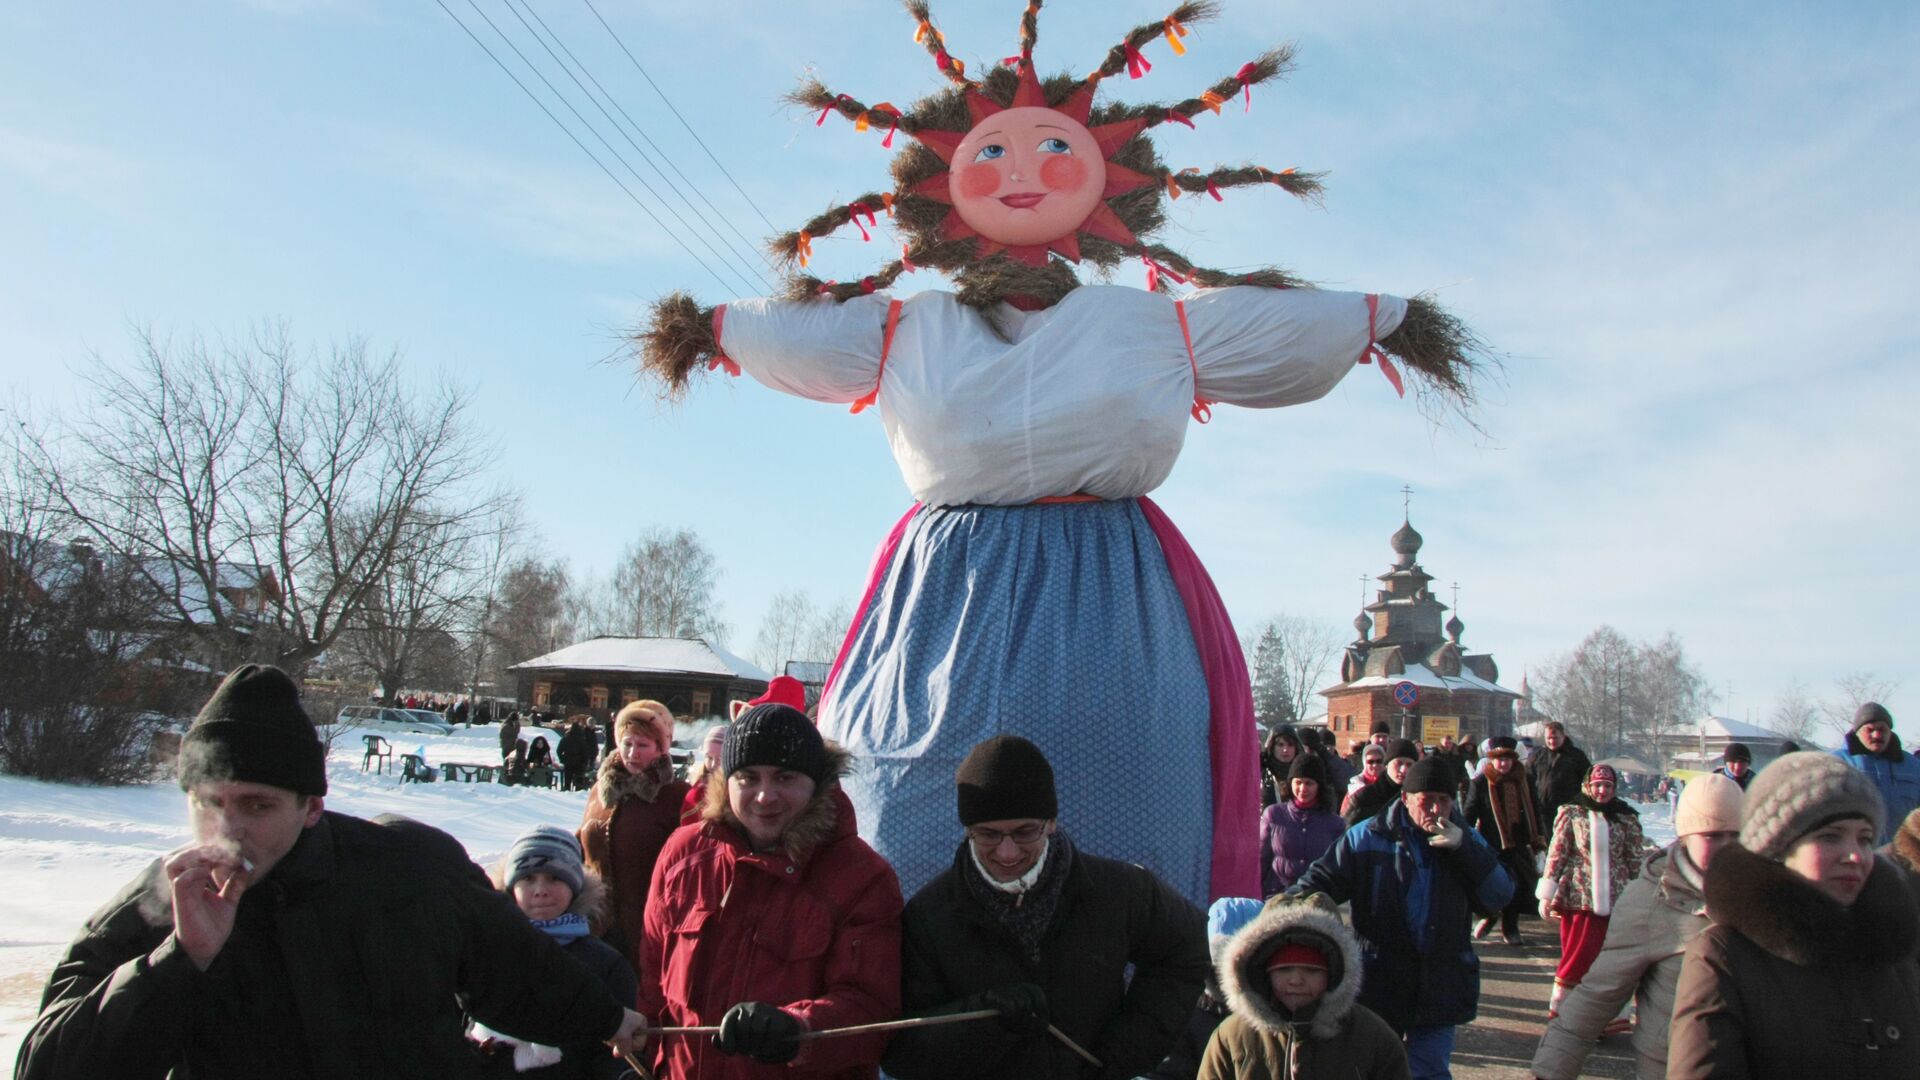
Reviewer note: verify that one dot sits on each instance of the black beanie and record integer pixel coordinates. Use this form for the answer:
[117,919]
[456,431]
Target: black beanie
[1380,728]
[1403,748]
[253,730]
[1308,767]
[1430,774]
[1871,712]
[1006,778]
[777,735]
[1737,752]
[1309,738]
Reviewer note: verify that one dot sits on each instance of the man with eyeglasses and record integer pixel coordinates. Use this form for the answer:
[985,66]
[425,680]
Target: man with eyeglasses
[1026,924]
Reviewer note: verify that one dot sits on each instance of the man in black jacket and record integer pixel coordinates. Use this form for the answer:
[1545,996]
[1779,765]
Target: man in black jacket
[1026,924]
[1557,772]
[289,941]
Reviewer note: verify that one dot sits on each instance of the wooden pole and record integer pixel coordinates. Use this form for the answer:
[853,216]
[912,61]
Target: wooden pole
[900,1025]
[1075,1047]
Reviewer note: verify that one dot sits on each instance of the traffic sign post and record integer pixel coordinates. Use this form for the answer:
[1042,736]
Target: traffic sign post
[1405,694]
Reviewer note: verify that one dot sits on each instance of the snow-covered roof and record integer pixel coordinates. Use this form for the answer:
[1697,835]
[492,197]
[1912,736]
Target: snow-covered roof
[1426,678]
[662,656]
[1725,727]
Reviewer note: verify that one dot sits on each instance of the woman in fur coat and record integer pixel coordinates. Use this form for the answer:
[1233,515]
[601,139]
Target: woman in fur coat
[1596,850]
[1501,804]
[633,808]
[1809,967]
[1292,979]
[543,874]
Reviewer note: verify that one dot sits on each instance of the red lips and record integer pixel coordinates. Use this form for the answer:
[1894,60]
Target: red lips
[1025,200]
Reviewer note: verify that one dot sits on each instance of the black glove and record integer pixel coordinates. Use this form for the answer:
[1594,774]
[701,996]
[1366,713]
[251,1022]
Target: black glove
[766,1033]
[1022,1007]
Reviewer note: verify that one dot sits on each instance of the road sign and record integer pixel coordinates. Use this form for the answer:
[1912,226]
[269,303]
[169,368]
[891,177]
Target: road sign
[1405,694]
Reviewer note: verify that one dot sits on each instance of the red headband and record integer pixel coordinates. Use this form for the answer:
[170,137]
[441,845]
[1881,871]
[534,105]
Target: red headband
[1295,954]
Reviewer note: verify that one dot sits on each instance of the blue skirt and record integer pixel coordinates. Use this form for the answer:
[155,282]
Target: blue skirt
[1056,622]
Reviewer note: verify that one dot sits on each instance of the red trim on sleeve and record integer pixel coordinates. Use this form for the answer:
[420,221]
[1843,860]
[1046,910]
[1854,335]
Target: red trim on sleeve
[886,347]
[720,357]
[1202,408]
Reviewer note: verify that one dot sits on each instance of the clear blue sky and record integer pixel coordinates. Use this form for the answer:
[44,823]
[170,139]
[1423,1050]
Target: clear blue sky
[1692,227]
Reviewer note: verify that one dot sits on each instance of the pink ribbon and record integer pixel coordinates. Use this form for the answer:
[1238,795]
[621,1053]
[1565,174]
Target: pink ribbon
[1373,351]
[854,210]
[1137,65]
[720,358]
[1214,191]
[837,100]
[1177,118]
[906,263]
[1246,83]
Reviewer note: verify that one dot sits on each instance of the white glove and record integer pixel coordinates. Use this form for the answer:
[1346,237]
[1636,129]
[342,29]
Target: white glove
[1449,837]
[1547,910]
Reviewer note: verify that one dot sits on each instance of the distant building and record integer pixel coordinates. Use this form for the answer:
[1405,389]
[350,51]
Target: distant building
[1401,640]
[693,678]
[1698,745]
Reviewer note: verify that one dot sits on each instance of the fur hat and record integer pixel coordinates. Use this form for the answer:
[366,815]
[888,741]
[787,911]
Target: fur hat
[1403,748]
[1430,774]
[1871,712]
[1500,746]
[546,849]
[1798,794]
[1711,803]
[1006,778]
[646,716]
[777,735]
[1285,921]
[254,730]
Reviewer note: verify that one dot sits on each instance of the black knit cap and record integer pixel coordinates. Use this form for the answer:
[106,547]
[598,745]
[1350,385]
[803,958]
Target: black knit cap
[1403,748]
[1430,774]
[1736,751]
[254,730]
[777,735]
[1006,778]
[1380,727]
[1308,767]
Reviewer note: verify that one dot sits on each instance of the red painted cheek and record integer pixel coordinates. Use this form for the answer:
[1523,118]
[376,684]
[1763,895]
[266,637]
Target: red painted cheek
[1063,173]
[979,180]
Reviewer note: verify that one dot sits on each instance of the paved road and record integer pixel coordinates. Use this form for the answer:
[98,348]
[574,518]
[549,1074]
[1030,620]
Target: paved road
[1514,984]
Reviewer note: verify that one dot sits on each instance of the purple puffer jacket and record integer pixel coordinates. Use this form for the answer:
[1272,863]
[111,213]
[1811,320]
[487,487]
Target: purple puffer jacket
[1291,839]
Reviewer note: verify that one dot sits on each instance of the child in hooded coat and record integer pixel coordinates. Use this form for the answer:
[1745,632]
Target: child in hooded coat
[547,879]
[1298,951]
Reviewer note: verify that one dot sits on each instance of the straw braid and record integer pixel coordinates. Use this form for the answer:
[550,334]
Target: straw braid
[677,340]
[806,286]
[1302,185]
[935,43]
[790,247]
[1116,62]
[1029,30]
[813,94]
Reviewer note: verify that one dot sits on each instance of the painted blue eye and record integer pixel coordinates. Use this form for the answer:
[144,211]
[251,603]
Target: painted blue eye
[1055,146]
[989,152]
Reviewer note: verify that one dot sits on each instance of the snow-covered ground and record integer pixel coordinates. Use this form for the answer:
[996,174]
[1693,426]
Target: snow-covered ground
[65,850]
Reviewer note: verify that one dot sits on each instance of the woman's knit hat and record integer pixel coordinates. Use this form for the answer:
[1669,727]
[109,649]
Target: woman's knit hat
[1308,767]
[1798,794]
[1711,803]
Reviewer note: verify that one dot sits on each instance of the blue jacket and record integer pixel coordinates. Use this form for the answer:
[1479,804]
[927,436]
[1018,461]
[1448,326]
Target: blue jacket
[1412,906]
[1898,781]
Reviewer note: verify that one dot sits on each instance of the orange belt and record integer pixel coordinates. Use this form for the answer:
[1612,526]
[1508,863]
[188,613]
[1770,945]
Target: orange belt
[1077,497]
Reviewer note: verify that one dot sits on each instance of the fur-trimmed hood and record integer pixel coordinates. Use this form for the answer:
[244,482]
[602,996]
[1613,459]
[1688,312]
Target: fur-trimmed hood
[590,901]
[827,815]
[615,783]
[1790,917]
[1905,848]
[1242,968]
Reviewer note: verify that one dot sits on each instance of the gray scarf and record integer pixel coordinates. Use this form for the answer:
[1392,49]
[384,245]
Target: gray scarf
[1025,916]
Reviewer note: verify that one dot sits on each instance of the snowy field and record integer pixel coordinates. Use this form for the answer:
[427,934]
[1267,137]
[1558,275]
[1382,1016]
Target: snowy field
[64,850]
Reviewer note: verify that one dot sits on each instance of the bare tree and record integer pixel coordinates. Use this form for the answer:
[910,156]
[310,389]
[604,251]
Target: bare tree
[1794,714]
[1593,690]
[795,628]
[529,615]
[1303,645]
[1850,691]
[1670,692]
[263,495]
[663,586]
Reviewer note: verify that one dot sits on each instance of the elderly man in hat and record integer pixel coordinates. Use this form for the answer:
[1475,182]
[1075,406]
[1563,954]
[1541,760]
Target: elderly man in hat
[289,940]
[1027,924]
[1415,875]
[770,917]
[1873,749]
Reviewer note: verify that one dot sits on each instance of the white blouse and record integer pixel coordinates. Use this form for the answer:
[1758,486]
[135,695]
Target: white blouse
[1090,396]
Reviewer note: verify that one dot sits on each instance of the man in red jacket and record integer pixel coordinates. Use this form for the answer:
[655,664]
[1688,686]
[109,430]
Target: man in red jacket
[771,918]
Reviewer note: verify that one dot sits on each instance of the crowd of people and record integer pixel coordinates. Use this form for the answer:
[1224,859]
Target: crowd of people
[734,925]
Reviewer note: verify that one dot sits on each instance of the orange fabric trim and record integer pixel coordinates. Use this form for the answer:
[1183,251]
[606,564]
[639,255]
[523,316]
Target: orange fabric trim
[886,347]
[1202,410]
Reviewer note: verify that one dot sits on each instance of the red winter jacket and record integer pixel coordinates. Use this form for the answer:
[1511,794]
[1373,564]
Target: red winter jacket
[813,928]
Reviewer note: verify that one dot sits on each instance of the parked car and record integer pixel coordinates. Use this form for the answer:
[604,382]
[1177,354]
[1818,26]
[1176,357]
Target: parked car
[428,716]
[381,718]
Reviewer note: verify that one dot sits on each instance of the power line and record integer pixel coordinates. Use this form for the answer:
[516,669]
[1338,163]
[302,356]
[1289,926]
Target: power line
[757,251]
[682,119]
[588,124]
[729,256]
[583,146]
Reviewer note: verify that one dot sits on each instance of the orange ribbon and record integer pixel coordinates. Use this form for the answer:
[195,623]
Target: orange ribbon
[804,247]
[1175,32]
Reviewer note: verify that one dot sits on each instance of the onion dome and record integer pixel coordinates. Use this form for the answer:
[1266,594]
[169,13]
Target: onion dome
[1455,628]
[1362,625]
[1406,541]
